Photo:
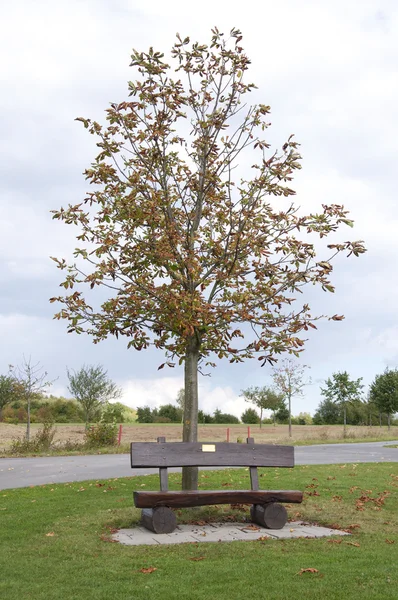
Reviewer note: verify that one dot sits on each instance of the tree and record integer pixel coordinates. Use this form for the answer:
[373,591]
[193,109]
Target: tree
[188,255]
[384,393]
[170,412]
[181,402]
[289,380]
[264,398]
[30,381]
[92,388]
[327,413]
[250,417]
[341,390]
[7,391]
[220,417]
[144,415]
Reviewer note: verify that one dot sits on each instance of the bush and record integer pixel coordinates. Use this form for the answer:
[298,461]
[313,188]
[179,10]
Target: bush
[171,412]
[101,434]
[204,417]
[42,440]
[161,420]
[144,415]
[220,417]
[250,417]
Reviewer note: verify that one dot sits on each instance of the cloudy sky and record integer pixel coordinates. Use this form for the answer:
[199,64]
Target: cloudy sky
[329,70]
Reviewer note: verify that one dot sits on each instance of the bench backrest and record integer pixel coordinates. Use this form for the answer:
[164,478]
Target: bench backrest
[210,454]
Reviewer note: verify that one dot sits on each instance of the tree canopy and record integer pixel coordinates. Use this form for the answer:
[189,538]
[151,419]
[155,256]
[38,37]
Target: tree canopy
[264,398]
[341,390]
[92,388]
[200,259]
[384,392]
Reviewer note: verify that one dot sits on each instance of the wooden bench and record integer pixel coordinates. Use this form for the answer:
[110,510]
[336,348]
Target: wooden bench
[265,511]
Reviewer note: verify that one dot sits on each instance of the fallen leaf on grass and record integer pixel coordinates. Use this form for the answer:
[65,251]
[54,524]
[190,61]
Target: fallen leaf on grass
[200,523]
[50,534]
[334,541]
[99,484]
[390,541]
[353,544]
[197,558]
[263,538]
[148,570]
[353,526]
[307,571]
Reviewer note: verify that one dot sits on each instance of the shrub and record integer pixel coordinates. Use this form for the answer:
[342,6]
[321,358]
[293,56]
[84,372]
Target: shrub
[250,417]
[41,441]
[144,415]
[161,420]
[101,434]
[226,418]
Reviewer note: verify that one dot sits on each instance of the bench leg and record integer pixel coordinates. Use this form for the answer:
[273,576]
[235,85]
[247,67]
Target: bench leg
[271,515]
[159,520]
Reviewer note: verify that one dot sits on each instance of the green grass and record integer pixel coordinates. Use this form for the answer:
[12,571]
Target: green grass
[77,562]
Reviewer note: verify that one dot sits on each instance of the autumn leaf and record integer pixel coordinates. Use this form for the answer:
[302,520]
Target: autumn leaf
[390,541]
[310,570]
[148,569]
[251,528]
[50,534]
[197,558]
[353,544]
[334,541]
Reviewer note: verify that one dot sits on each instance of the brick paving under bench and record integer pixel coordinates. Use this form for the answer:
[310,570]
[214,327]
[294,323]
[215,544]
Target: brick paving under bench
[221,532]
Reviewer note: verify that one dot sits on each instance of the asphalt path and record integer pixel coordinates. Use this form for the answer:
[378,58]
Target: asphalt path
[24,472]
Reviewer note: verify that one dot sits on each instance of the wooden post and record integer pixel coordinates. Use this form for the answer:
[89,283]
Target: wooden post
[271,516]
[119,438]
[227,434]
[248,431]
[159,520]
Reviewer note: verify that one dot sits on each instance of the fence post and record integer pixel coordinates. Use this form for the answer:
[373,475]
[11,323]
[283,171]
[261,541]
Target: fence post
[227,434]
[119,438]
[248,432]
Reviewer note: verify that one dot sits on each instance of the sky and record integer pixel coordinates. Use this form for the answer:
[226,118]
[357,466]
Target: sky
[329,71]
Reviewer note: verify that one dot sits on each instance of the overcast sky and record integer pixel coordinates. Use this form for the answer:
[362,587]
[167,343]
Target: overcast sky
[329,70]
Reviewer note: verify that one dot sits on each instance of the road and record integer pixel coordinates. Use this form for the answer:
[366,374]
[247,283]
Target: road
[24,472]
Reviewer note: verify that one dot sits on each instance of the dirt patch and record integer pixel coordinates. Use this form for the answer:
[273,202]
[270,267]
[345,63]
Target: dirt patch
[216,433]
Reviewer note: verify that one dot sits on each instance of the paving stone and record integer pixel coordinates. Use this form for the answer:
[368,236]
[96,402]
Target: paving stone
[220,532]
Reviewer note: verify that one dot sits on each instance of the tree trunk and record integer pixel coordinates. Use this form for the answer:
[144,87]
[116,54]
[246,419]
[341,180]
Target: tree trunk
[290,416]
[380,418]
[389,421]
[190,425]
[28,421]
[345,421]
[261,417]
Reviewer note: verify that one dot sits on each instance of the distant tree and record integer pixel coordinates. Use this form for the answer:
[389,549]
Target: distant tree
[327,413]
[113,412]
[170,412]
[7,391]
[289,380]
[92,388]
[264,398]
[304,418]
[250,417]
[189,255]
[220,417]
[144,415]
[282,415]
[181,402]
[205,417]
[384,393]
[341,390]
[30,382]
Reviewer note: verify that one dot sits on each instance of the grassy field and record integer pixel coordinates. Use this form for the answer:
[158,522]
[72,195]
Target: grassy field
[54,542]
[302,434]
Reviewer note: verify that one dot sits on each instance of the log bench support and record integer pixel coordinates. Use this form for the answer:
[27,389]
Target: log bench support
[266,510]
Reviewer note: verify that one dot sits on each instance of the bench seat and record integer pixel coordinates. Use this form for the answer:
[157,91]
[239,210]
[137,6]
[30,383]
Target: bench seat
[188,498]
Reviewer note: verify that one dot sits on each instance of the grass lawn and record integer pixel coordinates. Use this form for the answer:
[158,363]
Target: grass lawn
[54,541]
